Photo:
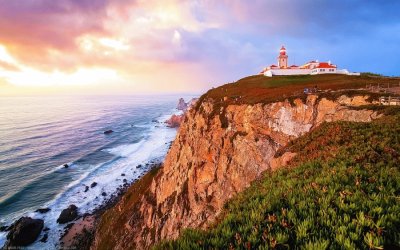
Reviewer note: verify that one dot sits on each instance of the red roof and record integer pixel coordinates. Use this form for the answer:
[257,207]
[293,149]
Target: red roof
[325,65]
[294,66]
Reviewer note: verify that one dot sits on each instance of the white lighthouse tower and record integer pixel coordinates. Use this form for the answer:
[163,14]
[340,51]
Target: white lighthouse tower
[282,58]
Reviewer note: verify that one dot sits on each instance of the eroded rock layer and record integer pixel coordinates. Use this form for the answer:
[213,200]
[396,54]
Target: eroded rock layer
[217,153]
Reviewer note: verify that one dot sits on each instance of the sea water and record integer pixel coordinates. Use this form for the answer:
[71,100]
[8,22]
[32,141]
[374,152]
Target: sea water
[38,135]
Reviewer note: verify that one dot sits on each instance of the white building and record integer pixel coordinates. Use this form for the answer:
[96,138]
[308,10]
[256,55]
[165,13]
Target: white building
[310,68]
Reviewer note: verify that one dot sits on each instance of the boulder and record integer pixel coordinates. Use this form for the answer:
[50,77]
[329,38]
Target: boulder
[86,188]
[43,210]
[68,214]
[24,232]
[107,132]
[93,184]
[66,166]
[104,194]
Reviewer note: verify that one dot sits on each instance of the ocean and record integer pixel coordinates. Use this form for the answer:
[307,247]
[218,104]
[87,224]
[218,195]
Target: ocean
[38,135]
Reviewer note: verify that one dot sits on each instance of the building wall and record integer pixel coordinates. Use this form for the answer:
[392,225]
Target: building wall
[283,61]
[324,71]
[287,72]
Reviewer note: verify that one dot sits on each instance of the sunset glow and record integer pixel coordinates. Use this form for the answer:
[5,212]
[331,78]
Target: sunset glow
[175,46]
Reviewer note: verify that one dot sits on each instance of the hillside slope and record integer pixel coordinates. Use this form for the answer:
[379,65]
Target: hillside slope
[222,146]
[341,190]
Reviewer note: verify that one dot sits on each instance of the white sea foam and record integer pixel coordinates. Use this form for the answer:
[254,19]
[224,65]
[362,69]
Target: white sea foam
[3,236]
[108,177]
[125,150]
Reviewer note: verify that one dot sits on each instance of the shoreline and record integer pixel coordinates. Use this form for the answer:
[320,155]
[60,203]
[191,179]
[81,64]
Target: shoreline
[80,233]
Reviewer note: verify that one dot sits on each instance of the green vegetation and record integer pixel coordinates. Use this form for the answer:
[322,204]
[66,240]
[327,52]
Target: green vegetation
[341,191]
[261,89]
[371,74]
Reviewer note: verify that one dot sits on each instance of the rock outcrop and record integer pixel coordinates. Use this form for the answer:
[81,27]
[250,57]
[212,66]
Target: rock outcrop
[68,214]
[217,153]
[175,121]
[23,232]
[182,105]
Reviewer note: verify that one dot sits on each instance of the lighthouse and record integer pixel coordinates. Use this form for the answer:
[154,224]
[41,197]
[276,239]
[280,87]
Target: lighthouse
[311,68]
[282,58]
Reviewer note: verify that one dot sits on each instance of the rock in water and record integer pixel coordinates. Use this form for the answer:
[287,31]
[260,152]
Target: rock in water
[175,121]
[42,210]
[24,232]
[44,239]
[66,166]
[107,132]
[68,214]
[182,105]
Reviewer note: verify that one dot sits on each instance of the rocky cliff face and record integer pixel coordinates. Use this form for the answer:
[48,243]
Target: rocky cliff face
[217,154]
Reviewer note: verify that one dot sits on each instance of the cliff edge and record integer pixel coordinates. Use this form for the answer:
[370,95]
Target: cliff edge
[224,144]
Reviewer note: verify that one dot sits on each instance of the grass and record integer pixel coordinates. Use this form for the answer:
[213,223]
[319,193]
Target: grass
[258,88]
[261,89]
[341,191]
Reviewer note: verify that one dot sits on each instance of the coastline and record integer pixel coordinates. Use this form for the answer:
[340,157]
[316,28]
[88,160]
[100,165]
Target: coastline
[130,163]
[80,234]
[102,187]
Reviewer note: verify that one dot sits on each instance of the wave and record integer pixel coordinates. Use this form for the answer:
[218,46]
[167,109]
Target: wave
[125,150]
[127,165]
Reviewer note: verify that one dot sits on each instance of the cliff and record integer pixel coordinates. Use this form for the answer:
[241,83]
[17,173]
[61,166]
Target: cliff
[221,147]
[339,191]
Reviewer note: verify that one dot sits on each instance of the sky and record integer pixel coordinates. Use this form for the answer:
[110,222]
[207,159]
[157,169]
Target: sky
[165,46]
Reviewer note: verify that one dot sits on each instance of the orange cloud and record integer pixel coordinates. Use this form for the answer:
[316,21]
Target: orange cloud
[8,66]
[156,45]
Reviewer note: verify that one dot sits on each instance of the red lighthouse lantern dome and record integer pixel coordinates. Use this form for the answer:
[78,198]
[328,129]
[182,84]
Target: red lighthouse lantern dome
[283,50]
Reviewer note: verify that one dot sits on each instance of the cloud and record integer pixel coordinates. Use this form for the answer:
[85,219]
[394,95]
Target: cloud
[8,66]
[220,40]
